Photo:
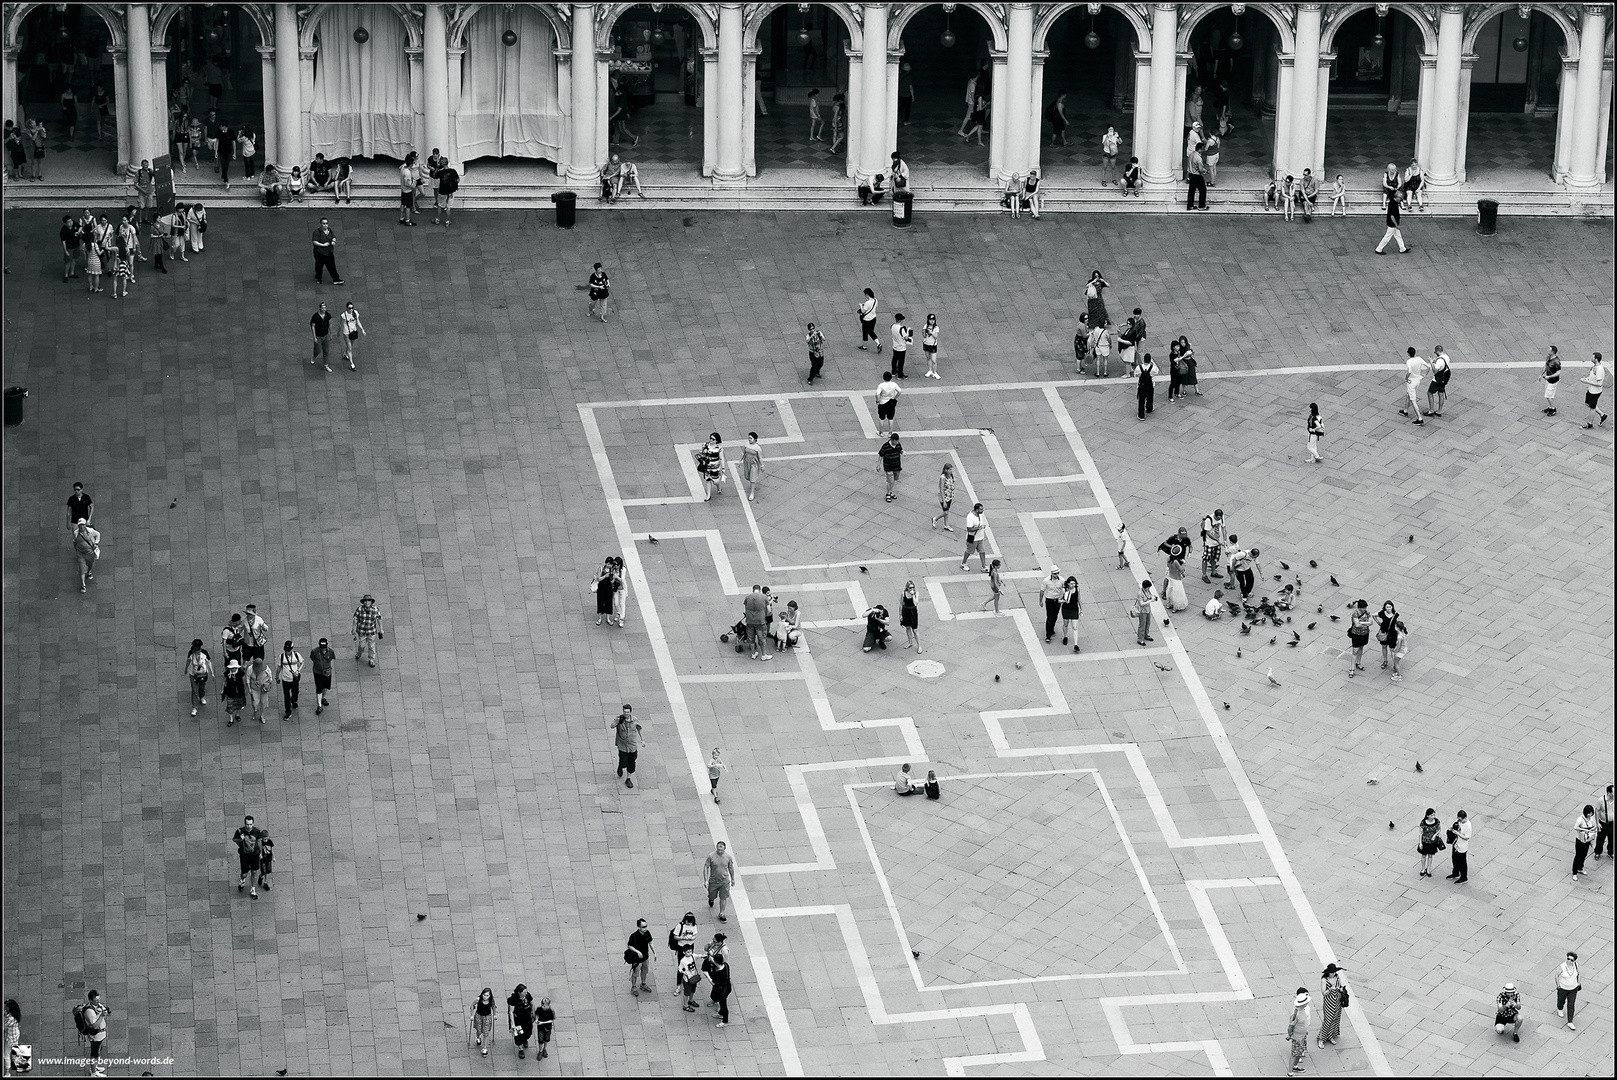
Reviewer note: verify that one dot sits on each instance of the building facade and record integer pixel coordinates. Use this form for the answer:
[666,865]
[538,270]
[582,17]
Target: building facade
[542,80]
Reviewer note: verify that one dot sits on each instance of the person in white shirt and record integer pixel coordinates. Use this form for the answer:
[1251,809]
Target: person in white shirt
[87,547]
[1583,838]
[351,329]
[903,785]
[1595,383]
[902,336]
[1567,985]
[1437,392]
[867,322]
[1215,606]
[887,392]
[1459,846]
[976,531]
[1416,372]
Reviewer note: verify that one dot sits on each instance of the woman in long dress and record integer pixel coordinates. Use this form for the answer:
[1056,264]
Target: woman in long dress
[1094,294]
[1174,596]
[1330,1024]
[604,586]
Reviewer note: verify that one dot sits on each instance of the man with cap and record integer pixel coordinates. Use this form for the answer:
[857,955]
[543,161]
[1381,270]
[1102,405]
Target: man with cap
[321,660]
[1297,1028]
[367,629]
[1051,591]
[1508,1012]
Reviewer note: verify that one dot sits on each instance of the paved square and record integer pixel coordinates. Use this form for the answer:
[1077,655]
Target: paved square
[495,445]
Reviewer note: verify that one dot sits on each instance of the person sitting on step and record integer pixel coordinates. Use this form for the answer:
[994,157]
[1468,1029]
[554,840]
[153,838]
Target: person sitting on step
[870,194]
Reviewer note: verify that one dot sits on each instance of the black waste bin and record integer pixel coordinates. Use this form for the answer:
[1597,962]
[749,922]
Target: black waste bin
[14,396]
[566,208]
[903,209]
[1487,217]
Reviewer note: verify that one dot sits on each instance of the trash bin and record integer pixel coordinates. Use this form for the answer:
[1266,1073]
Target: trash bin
[1487,216]
[903,209]
[14,396]
[566,208]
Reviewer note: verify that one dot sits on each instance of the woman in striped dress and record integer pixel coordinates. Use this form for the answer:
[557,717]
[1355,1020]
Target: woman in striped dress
[124,270]
[1331,994]
[92,265]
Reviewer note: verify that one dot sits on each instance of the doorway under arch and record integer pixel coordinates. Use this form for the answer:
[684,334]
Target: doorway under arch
[800,48]
[1374,99]
[654,105]
[1514,121]
[947,53]
[510,105]
[213,70]
[1091,61]
[1230,82]
[68,48]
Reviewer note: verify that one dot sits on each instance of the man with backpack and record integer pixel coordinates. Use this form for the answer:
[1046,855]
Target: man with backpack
[90,1017]
[448,184]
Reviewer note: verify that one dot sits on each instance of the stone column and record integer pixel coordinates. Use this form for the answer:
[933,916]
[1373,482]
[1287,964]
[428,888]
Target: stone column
[1563,120]
[1303,103]
[289,144]
[600,149]
[1320,117]
[305,101]
[1035,145]
[143,145]
[1463,127]
[159,76]
[749,110]
[1286,79]
[269,143]
[732,108]
[874,104]
[1585,167]
[582,166]
[1163,131]
[853,111]
[1142,112]
[1019,110]
[1425,110]
[710,110]
[435,75]
[1181,92]
[1444,108]
[895,58]
[453,60]
[1606,78]
[418,104]
[997,120]
[120,79]
[8,109]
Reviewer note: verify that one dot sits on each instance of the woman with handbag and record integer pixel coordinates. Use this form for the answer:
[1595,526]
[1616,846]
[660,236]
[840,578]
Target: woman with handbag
[1430,842]
[603,585]
[1393,637]
[1358,633]
[1333,998]
[1187,361]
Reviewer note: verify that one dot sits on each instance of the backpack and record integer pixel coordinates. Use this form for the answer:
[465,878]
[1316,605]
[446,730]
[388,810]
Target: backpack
[1136,329]
[81,1019]
[272,196]
[448,181]
[673,940]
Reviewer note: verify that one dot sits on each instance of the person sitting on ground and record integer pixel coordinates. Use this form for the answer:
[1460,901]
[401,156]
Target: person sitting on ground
[1288,596]
[788,628]
[1272,195]
[870,194]
[876,632]
[1014,196]
[903,785]
[320,175]
[1215,606]
[933,789]
[1309,194]
[1032,197]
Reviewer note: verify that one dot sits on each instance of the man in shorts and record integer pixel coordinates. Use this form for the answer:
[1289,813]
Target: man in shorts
[320,322]
[976,531]
[1594,384]
[408,178]
[246,841]
[600,287]
[628,732]
[892,463]
[719,875]
[321,659]
[448,183]
[887,392]
[816,348]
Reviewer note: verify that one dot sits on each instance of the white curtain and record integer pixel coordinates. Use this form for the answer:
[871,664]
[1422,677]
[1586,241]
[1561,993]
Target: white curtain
[509,101]
[361,92]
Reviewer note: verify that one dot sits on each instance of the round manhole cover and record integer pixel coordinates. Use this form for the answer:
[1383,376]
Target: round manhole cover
[925,669]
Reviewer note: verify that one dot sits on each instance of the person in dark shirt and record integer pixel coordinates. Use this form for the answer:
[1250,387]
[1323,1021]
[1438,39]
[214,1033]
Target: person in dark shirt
[80,506]
[71,247]
[892,455]
[519,1016]
[325,252]
[321,322]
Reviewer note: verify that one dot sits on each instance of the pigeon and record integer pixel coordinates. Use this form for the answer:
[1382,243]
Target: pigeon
[1312,625]
[1291,644]
[173,504]
[1320,610]
[1338,584]
[1245,629]
[996,678]
[420,918]
[1161,667]
[1274,639]
[1285,566]
[1238,654]
[1390,825]
[864,569]
[1288,620]
[1271,676]
[1314,564]
[652,539]
[1295,636]
[1418,768]
[1019,665]
[1226,706]
[1277,577]
[915,953]
[1336,618]
[280,1072]
[1411,538]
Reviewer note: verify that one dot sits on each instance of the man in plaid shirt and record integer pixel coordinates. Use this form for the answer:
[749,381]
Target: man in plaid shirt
[367,628]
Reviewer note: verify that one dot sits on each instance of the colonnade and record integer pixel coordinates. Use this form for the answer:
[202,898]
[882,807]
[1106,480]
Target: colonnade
[873,42]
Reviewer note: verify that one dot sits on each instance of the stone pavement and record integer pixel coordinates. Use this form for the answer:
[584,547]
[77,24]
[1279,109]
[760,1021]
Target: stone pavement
[469,778]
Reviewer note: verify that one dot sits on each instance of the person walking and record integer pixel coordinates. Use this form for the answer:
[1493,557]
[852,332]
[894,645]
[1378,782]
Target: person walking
[1393,637]
[816,349]
[1430,842]
[1437,391]
[715,770]
[225,137]
[289,669]
[1050,591]
[519,1017]
[1567,985]
[717,970]
[245,840]
[1583,837]
[1146,393]
[367,629]
[1142,612]
[976,533]
[1393,231]
[325,252]
[1551,378]
[1332,997]
[1459,840]
[600,290]
[1416,373]
[628,733]
[91,1018]
[351,329]
[719,876]
[902,336]
[234,692]
[196,224]
[1508,1012]
[755,608]
[945,496]
[892,463]
[906,94]
[637,954]
[198,669]
[87,549]
[710,466]
[80,507]
[321,660]
[260,682]
[1594,383]
[996,586]
[544,1024]
[1603,819]
[752,465]
[1072,609]
[1196,179]
[867,322]
[266,859]
[1316,428]
[1358,633]
[909,617]
[233,639]
[320,323]
[18,1056]
[1302,1015]
[887,392]
[255,634]
[482,1014]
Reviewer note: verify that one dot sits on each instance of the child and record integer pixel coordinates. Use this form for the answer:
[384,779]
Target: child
[1271,195]
[1122,542]
[1339,197]
[715,767]
[815,123]
[1215,607]
[1288,596]
[266,860]
[690,977]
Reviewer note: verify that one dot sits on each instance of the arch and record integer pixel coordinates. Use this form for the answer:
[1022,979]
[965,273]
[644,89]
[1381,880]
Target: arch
[758,14]
[608,18]
[262,19]
[1477,18]
[901,14]
[1191,16]
[465,13]
[1340,13]
[1050,14]
[412,26]
[16,13]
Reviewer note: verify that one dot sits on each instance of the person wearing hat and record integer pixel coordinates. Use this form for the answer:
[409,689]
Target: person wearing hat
[1051,591]
[367,629]
[235,691]
[87,547]
[321,659]
[1332,996]
[1508,1012]
[1297,1028]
